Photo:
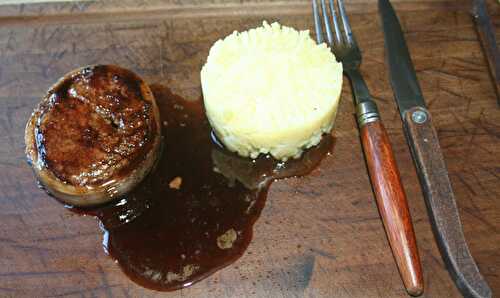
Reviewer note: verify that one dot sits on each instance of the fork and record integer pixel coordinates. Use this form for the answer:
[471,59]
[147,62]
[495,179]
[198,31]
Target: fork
[382,167]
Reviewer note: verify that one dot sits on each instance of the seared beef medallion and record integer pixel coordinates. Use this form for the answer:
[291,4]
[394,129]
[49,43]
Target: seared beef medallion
[95,135]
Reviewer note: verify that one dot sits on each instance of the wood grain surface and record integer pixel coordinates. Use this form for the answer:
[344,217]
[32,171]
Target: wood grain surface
[318,236]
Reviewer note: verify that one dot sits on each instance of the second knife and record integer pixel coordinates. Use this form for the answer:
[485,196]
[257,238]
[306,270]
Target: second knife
[429,160]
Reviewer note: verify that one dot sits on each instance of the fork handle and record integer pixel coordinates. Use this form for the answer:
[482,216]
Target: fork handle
[390,196]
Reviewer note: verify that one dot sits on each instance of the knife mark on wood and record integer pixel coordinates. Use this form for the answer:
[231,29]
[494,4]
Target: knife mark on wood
[41,253]
[351,219]
[105,283]
[458,95]
[39,273]
[438,261]
[464,182]
[449,74]
[479,217]
[64,237]
[471,62]
[492,129]
[3,289]
[81,292]
[126,293]
[308,193]
[323,253]
[492,171]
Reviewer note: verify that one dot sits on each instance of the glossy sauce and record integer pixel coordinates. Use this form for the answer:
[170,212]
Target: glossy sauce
[194,213]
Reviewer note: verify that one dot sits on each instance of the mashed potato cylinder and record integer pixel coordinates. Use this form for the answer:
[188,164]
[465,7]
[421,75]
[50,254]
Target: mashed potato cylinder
[272,90]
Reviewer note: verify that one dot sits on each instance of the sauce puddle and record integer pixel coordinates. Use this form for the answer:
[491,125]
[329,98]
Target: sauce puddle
[194,213]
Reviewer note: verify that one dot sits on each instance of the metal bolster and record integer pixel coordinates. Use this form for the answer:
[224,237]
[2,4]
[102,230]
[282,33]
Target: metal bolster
[366,112]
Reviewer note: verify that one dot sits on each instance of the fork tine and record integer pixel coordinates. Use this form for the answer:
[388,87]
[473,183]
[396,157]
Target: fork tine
[317,23]
[327,23]
[345,22]
[338,34]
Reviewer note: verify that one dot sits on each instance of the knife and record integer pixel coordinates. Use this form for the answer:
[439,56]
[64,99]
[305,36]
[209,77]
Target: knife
[429,161]
[486,33]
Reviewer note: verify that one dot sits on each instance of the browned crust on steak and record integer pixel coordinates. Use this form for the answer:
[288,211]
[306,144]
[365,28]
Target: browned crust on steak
[95,135]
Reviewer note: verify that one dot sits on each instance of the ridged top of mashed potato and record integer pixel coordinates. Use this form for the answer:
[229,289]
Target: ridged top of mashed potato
[271,89]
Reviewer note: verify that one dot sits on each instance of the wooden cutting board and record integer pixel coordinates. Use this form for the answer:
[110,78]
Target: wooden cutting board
[318,236]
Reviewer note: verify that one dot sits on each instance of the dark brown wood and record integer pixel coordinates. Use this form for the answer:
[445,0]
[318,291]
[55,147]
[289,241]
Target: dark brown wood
[392,204]
[486,32]
[318,236]
[441,205]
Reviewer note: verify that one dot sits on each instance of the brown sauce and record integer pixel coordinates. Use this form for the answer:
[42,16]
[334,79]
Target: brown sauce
[194,213]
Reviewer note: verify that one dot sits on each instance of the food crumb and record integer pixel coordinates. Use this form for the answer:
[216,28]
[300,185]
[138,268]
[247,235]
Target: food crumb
[187,271]
[226,240]
[175,183]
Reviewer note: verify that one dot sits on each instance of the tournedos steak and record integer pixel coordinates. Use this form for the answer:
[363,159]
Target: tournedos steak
[95,135]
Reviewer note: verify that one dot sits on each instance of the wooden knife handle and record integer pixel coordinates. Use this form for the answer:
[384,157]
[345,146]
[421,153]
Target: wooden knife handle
[392,204]
[441,205]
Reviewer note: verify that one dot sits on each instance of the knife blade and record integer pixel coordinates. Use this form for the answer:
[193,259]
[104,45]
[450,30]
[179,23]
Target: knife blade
[429,161]
[486,33]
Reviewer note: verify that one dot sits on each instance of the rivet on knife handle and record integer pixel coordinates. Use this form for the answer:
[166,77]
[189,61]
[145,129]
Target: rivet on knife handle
[441,205]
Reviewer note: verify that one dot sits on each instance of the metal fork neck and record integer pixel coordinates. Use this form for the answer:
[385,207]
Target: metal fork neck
[358,85]
[366,109]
